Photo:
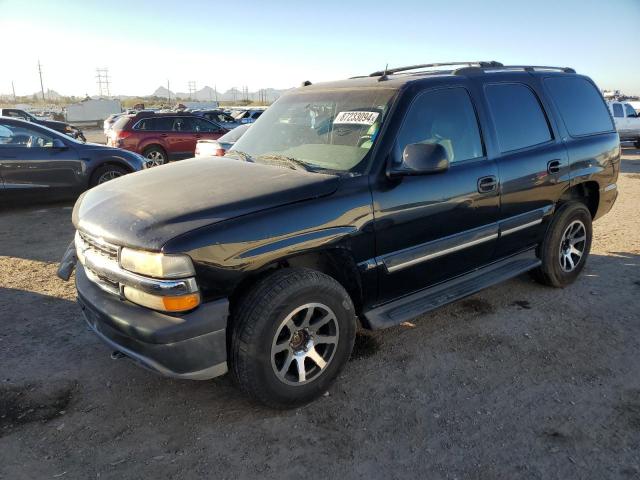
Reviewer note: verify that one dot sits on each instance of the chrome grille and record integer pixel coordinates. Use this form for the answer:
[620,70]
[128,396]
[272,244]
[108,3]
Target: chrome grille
[99,246]
[89,245]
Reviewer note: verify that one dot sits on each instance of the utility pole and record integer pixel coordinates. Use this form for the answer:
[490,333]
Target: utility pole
[102,75]
[14,92]
[41,84]
[168,94]
[215,89]
[192,89]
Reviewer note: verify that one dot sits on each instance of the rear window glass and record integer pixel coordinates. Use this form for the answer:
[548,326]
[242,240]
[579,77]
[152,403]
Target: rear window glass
[120,123]
[580,104]
[517,115]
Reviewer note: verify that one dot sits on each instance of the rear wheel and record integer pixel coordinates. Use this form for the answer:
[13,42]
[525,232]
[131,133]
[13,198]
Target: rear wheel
[106,173]
[155,156]
[292,335]
[566,246]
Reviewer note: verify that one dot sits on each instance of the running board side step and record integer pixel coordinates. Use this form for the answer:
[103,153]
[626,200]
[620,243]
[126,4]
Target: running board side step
[411,306]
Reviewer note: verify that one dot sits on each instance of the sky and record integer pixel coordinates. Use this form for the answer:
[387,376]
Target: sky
[279,44]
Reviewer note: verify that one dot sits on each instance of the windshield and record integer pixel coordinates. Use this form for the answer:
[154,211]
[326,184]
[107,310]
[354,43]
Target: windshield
[321,129]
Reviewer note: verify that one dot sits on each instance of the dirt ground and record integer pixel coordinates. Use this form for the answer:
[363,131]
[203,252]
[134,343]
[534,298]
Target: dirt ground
[519,381]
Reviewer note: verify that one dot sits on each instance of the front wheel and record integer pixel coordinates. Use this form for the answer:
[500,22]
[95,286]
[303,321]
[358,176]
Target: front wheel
[106,173]
[291,336]
[566,246]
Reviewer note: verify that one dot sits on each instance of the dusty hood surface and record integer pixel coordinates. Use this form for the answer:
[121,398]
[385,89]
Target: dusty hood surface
[148,208]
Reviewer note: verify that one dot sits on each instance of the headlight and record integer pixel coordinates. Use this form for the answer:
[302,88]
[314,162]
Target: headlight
[156,265]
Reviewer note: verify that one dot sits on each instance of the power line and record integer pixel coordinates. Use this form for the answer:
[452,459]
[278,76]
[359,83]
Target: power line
[102,76]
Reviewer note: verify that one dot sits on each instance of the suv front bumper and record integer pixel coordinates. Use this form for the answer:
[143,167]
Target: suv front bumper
[189,346]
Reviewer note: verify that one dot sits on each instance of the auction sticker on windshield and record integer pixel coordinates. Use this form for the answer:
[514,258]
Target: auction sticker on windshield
[356,118]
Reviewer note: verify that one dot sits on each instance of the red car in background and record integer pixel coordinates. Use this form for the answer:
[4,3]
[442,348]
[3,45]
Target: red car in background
[161,137]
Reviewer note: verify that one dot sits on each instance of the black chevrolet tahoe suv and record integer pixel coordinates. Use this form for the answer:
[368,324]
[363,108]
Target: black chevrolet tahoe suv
[372,200]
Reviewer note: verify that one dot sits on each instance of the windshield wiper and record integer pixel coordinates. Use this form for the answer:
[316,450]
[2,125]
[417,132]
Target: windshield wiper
[240,155]
[284,161]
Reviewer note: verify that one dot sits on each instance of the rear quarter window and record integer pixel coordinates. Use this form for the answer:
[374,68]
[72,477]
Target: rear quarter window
[581,106]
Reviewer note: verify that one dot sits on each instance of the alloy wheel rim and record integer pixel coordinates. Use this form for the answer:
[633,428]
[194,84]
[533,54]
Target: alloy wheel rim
[572,246]
[155,158]
[304,344]
[109,175]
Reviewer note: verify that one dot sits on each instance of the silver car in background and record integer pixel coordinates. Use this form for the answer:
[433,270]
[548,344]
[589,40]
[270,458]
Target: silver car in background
[217,148]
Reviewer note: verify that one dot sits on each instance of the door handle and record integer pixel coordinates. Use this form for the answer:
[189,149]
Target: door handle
[198,135]
[487,184]
[164,135]
[553,166]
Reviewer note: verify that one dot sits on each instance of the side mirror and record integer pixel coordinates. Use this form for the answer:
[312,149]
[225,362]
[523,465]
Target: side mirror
[422,159]
[57,143]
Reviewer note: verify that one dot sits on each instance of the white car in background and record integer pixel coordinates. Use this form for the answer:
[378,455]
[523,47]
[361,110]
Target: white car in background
[109,121]
[217,148]
[627,121]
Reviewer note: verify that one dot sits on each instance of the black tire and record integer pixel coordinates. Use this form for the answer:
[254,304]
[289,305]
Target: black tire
[554,269]
[155,155]
[259,318]
[637,144]
[105,173]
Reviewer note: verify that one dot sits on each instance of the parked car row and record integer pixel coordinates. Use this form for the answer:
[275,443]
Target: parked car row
[38,163]
[61,127]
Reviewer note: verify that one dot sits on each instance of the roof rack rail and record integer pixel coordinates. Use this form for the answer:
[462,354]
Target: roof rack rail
[380,73]
[527,68]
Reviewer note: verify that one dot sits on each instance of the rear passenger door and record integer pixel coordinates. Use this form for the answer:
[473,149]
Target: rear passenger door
[182,141]
[532,161]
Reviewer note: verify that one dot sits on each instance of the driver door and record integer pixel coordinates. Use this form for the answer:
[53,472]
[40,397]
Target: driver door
[430,228]
[33,169]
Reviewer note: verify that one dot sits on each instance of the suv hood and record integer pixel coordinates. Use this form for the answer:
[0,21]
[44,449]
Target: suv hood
[148,208]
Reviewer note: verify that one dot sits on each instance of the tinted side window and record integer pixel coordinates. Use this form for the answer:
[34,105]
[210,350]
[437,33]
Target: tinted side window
[200,125]
[162,124]
[12,136]
[517,115]
[182,124]
[630,111]
[16,114]
[580,104]
[617,110]
[445,117]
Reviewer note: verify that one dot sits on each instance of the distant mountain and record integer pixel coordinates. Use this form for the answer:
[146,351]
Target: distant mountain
[161,92]
[207,94]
